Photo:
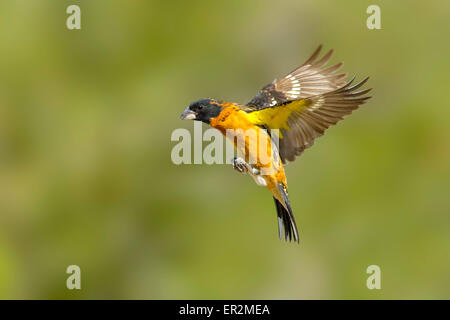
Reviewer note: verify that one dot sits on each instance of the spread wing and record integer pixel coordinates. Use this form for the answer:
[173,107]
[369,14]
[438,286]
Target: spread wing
[318,114]
[310,79]
[306,102]
[301,121]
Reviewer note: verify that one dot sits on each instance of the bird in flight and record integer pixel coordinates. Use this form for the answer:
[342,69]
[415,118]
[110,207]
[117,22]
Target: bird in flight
[293,112]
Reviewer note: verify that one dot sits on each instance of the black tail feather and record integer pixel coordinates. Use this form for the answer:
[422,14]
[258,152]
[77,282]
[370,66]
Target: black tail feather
[286,220]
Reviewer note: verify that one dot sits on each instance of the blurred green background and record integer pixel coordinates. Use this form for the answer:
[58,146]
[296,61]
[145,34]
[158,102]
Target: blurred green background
[86,176]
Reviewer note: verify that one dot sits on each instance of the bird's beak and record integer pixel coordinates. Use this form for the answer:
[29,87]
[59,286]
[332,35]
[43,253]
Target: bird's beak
[188,115]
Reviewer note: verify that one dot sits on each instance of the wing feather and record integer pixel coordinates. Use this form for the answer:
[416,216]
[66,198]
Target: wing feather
[322,112]
[305,102]
[307,80]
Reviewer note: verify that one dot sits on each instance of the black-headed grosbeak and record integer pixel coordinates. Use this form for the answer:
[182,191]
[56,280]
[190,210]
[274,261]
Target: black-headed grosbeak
[301,105]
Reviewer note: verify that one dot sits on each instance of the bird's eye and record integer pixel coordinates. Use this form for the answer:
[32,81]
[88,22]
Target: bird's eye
[199,107]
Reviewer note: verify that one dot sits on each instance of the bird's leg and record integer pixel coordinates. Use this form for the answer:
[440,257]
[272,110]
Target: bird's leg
[240,165]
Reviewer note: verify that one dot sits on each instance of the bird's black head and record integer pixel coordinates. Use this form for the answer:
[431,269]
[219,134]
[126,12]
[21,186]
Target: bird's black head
[202,110]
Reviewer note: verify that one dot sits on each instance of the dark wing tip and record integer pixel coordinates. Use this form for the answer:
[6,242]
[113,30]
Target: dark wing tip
[313,56]
[319,48]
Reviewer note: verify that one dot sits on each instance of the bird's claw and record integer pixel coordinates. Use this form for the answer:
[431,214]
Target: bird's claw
[239,165]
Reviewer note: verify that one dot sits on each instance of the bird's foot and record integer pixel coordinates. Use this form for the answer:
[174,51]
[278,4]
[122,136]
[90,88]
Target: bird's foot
[240,165]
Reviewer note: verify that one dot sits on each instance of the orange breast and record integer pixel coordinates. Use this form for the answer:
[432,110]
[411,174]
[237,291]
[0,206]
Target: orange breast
[233,118]
[252,142]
